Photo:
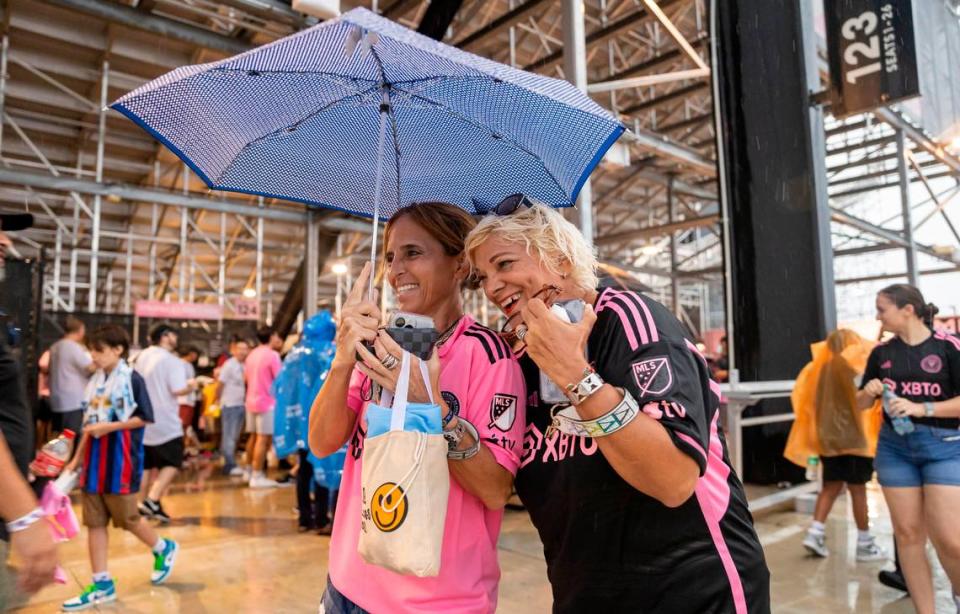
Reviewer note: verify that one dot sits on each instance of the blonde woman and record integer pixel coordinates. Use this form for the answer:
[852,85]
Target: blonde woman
[625,475]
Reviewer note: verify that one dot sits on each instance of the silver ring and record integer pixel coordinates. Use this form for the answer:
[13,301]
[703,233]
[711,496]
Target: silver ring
[521,332]
[390,361]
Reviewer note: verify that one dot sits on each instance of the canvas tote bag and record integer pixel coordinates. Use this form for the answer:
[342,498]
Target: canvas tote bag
[405,482]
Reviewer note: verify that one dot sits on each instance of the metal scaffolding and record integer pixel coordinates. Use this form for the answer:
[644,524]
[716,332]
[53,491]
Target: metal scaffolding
[120,219]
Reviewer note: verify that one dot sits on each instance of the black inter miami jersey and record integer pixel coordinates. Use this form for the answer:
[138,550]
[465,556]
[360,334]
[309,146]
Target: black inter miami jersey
[609,547]
[929,371]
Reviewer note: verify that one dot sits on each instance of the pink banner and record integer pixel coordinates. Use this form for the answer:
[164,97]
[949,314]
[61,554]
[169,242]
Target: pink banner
[179,311]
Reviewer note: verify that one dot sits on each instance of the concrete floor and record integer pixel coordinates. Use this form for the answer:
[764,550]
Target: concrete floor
[241,553]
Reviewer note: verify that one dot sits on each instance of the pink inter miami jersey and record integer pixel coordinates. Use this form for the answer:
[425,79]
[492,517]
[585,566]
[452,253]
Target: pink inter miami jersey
[481,381]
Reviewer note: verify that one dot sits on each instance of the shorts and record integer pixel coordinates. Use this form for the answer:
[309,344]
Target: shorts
[928,455]
[72,420]
[334,602]
[186,416]
[260,423]
[847,468]
[168,454]
[99,509]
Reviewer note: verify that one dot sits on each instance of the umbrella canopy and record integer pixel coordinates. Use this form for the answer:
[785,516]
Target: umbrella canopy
[363,115]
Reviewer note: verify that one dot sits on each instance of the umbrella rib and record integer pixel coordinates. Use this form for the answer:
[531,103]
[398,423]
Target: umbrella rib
[293,125]
[479,126]
[294,72]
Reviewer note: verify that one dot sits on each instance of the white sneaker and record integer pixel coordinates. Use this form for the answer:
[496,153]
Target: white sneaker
[816,543]
[870,551]
[262,481]
[237,472]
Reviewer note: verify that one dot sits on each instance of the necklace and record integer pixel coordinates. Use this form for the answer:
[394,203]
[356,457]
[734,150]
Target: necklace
[445,336]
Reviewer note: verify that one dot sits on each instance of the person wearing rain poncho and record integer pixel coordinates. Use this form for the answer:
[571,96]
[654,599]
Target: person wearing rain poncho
[829,426]
[304,370]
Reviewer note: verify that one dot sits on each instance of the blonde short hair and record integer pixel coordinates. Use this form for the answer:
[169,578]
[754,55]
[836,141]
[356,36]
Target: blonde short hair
[545,234]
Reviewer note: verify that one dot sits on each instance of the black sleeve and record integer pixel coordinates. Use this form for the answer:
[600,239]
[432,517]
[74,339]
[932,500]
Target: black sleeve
[872,371]
[669,382]
[144,408]
[16,420]
[953,363]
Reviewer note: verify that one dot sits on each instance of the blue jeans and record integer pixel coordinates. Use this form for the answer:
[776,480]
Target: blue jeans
[928,455]
[231,422]
[333,602]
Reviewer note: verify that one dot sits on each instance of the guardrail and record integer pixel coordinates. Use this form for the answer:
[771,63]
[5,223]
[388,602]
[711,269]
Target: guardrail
[737,397]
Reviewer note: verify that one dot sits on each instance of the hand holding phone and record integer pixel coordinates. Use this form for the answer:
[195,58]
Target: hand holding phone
[414,333]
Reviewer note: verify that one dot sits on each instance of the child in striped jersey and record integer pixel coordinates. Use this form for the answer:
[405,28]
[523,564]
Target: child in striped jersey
[116,410]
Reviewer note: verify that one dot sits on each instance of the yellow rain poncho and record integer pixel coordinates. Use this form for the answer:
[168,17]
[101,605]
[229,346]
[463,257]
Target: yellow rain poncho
[828,422]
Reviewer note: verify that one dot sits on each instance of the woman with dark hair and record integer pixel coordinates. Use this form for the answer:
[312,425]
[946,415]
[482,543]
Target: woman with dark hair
[479,387]
[917,372]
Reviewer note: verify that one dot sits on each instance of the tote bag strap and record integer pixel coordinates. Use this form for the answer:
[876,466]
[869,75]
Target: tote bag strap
[398,401]
[405,483]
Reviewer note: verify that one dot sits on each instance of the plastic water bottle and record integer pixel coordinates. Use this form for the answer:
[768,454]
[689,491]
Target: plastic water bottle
[53,456]
[813,463]
[901,424]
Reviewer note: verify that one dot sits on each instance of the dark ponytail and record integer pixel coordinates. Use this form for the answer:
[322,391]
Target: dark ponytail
[905,294]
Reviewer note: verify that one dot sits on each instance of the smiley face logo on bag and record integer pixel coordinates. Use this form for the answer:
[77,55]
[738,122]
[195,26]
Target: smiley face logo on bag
[388,507]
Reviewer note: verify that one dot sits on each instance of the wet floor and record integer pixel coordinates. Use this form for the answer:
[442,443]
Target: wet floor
[241,553]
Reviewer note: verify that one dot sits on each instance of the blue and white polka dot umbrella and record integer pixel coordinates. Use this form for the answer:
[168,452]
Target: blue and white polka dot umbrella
[363,115]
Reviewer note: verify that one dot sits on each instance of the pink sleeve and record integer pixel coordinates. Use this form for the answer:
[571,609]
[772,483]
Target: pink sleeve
[354,398]
[497,407]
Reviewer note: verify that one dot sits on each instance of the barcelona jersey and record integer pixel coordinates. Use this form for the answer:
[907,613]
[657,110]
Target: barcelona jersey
[114,462]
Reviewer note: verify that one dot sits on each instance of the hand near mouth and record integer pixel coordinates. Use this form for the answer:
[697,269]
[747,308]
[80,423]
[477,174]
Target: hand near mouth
[558,347]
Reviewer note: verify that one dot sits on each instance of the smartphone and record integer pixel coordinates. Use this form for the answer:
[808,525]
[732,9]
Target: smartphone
[415,333]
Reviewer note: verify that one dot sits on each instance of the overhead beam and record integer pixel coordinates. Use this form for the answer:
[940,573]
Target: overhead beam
[890,236]
[518,14]
[667,148]
[136,193]
[598,36]
[920,138]
[657,231]
[163,26]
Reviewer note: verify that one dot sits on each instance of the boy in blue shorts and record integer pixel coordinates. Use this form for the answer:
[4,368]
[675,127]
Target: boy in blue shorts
[116,409]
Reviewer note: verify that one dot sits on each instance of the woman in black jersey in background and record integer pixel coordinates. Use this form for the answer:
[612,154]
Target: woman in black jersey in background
[919,470]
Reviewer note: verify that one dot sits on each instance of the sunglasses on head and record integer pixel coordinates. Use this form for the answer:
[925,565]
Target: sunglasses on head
[510,204]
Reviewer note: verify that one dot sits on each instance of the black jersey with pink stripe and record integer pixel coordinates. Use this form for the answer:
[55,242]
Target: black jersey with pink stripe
[609,547]
[928,371]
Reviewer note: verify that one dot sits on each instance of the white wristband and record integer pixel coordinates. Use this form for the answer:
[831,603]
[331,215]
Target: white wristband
[25,521]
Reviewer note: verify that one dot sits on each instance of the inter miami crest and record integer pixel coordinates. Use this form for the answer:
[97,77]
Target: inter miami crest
[452,402]
[503,411]
[653,376]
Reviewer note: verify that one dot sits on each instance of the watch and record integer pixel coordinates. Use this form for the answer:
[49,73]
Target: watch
[582,390]
[928,409]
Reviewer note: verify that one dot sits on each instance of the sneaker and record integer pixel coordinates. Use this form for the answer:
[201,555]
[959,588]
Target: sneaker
[816,543]
[96,593]
[237,472]
[163,562]
[262,481]
[870,551]
[145,510]
[893,579]
[153,509]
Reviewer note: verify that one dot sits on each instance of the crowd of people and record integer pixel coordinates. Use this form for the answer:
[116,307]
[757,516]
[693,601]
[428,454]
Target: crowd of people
[591,404]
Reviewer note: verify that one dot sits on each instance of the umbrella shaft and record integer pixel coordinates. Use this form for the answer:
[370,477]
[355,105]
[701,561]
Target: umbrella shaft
[378,184]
